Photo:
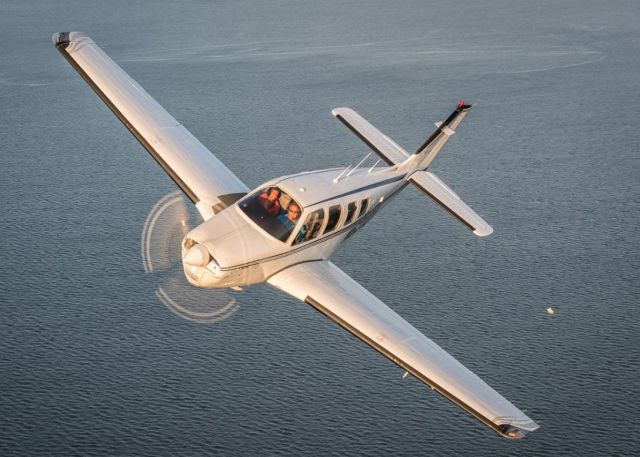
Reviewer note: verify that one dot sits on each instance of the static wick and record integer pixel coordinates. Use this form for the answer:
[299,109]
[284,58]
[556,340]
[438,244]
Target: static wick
[550,311]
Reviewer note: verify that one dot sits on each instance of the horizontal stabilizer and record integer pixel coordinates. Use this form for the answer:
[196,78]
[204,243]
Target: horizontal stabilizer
[381,144]
[440,193]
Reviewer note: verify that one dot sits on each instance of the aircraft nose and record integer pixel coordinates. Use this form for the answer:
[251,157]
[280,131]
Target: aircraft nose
[197,256]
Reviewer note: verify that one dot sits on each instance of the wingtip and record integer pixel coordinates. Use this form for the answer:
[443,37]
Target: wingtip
[483,231]
[337,111]
[61,39]
[514,432]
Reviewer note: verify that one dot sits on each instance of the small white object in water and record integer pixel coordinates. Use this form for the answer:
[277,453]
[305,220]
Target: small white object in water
[550,311]
[404,376]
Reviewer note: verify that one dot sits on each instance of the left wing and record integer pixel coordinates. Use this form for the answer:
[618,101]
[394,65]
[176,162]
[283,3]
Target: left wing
[209,184]
[332,292]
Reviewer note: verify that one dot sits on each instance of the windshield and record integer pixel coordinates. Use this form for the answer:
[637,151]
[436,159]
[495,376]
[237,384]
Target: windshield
[273,210]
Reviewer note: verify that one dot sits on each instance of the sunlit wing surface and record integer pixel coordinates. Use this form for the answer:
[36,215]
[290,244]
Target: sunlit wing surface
[381,144]
[196,171]
[332,292]
[440,193]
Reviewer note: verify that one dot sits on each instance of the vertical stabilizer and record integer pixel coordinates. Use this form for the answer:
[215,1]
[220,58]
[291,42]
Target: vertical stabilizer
[432,145]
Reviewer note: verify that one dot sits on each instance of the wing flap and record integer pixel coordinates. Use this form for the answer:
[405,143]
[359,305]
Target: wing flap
[381,144]
[336,295]
[194,169]
[440,193]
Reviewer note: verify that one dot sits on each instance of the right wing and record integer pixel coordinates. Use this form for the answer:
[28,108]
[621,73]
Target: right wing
[380,143]
[336,295]
[440,193]
[209,184]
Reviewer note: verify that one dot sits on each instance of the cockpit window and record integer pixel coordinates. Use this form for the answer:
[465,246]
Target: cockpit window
[334,217]
[273,210]
[311,227]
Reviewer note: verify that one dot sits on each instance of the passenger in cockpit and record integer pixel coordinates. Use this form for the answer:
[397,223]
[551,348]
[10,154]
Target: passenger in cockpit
[269,200]
[290,218]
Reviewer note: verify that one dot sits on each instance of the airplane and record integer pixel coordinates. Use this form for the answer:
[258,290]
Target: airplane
[284,231]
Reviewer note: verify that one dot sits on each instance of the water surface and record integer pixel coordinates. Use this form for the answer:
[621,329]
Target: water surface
[92,363]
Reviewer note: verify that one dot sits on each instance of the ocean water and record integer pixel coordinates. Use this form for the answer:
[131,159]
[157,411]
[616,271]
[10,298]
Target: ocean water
[93,363]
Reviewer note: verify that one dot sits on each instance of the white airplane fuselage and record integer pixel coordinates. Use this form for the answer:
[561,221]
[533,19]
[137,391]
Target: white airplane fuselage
[243,253]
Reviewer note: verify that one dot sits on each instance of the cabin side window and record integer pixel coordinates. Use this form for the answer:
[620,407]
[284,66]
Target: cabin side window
[334,217]
[364,204]
[311,227]
[351,212]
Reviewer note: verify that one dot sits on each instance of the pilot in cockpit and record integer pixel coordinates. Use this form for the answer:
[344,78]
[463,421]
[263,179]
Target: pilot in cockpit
[273,210]
[270,201]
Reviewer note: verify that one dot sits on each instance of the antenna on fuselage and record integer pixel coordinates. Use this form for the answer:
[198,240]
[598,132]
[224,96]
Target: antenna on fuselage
[337,178]
[374,165]
[349,170]
[359,163]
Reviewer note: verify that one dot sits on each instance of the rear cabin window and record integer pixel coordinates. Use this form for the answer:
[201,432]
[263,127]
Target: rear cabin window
[334,217]
[311,227]
[363,207]
[351,212]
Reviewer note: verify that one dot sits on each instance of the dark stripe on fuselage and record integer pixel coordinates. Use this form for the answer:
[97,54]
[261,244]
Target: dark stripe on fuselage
[366,141]
[293,265]
[352,227]
[62,44]
[362,189]
[293,251]
[402,364]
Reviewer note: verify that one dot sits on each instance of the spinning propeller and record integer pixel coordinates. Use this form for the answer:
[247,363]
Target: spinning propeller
[167,224]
